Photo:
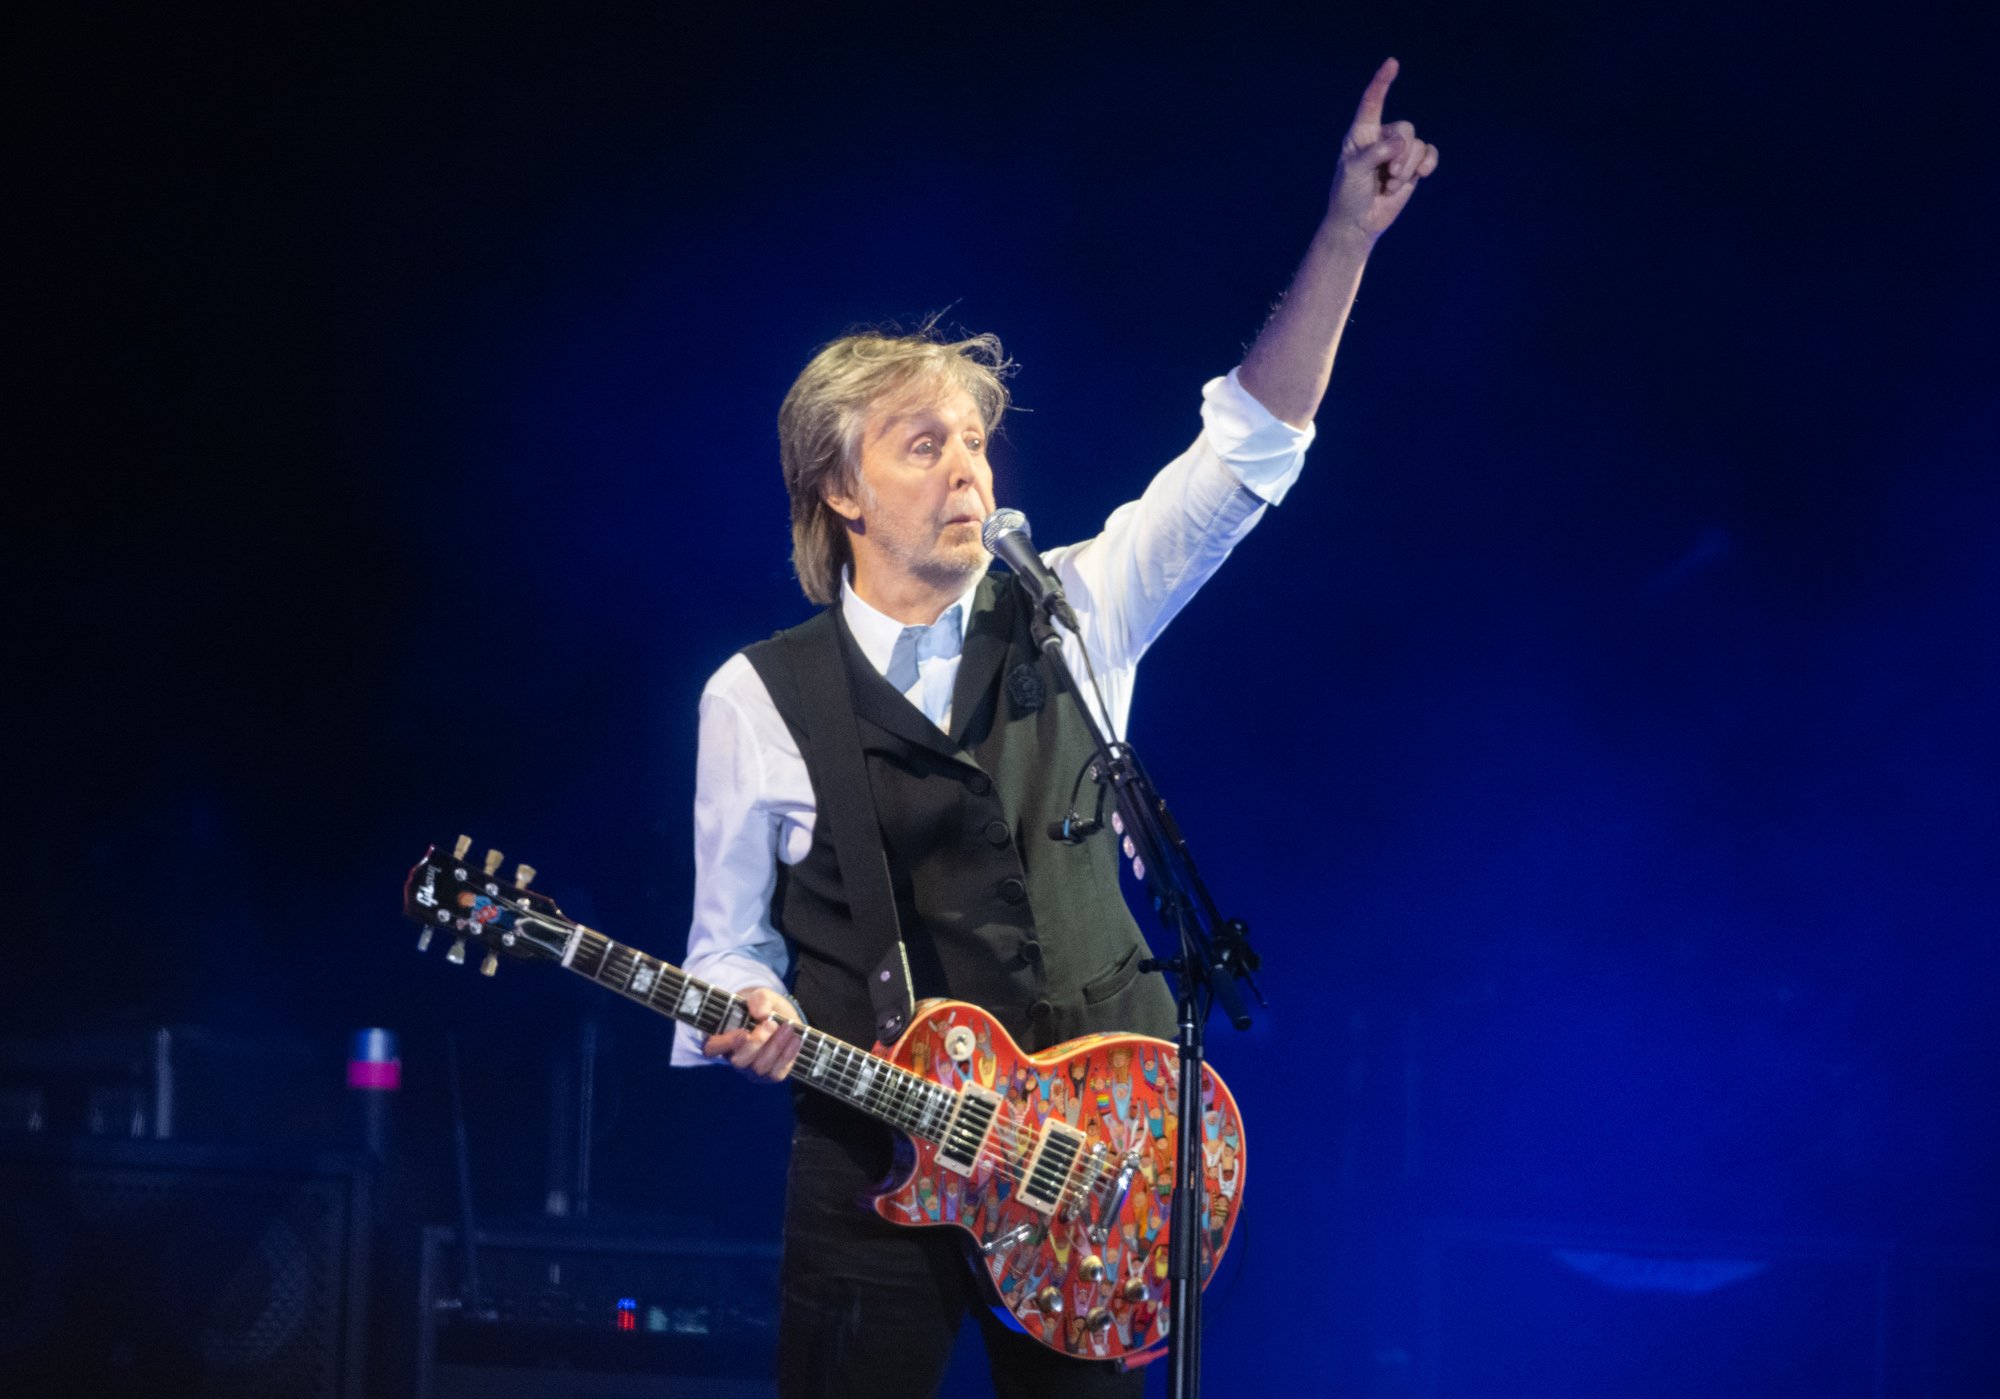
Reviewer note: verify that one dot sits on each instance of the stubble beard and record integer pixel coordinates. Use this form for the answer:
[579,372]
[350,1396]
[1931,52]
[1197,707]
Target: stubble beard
[952,566]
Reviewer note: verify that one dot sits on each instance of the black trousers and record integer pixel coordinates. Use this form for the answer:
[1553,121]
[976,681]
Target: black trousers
[870,1310]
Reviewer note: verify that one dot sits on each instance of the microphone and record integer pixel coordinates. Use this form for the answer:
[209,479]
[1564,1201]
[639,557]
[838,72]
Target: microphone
[1007,537]
[1074,829]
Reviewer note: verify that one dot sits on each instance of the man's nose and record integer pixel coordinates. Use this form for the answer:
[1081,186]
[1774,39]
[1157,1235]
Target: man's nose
[964,466]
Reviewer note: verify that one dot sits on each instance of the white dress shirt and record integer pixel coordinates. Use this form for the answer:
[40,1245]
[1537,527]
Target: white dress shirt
[753,801]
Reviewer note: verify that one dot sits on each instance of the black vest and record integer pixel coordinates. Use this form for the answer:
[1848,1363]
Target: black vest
[992,910]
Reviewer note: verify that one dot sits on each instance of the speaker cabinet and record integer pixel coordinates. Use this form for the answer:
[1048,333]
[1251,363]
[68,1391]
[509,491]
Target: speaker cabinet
[153,1268]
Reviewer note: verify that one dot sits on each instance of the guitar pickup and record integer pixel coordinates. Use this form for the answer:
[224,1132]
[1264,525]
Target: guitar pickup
[1054,1162]
[965,1136]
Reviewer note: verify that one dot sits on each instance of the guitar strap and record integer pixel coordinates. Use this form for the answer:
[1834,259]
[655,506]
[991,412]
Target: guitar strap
[806,664]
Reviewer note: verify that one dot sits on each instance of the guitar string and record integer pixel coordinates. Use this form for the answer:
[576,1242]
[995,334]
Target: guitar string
[850,1067]
[1007,1146]
[1007,1142]
[1013,1145]
[890,1089]
[618,964]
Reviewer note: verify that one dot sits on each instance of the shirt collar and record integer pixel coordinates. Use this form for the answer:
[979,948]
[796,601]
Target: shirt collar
[876,632]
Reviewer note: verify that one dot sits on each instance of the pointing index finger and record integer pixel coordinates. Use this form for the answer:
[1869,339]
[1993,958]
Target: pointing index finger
[1368,116]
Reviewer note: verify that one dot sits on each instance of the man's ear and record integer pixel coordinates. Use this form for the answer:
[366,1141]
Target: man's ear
[846,506]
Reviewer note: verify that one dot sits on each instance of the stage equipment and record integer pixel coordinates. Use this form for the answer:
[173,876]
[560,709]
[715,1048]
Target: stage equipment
[565,1312]
[130,1270]
[178,1082]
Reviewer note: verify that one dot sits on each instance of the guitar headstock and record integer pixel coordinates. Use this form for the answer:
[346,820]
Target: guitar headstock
[474,902]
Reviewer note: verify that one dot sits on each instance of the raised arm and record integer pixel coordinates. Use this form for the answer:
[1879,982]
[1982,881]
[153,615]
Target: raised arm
[1288,367]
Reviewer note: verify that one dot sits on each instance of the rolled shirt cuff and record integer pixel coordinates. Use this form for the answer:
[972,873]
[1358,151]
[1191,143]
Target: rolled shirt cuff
[1264,452]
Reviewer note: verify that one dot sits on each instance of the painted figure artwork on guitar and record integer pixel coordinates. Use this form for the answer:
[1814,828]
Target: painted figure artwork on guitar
[1061,1192]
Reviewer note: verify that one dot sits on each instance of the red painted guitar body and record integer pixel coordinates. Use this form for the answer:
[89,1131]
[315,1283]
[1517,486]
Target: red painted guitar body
[1088,1277]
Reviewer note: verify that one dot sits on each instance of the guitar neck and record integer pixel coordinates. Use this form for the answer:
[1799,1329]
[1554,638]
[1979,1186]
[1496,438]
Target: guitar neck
[834,1067]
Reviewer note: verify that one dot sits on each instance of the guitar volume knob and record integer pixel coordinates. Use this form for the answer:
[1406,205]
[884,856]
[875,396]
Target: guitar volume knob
[1091,1268]
[1049,1299]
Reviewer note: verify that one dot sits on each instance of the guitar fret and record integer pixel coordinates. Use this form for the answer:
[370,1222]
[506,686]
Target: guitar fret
[851,1086]
[589,959]
[822,1051]
[877,1086]
[715,1008]
[908,1086]
[674,980]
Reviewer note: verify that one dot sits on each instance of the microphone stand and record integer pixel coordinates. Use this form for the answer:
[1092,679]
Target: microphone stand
[1214,952]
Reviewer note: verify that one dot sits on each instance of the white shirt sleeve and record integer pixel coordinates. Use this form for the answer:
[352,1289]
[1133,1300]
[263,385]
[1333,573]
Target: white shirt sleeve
[1156,551]
[742,811]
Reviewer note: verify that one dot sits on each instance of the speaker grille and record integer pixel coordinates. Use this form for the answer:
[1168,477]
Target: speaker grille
[177,1271]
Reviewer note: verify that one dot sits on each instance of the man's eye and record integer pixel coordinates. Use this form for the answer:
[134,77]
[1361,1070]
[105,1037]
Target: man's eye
[975,444]
[924,445]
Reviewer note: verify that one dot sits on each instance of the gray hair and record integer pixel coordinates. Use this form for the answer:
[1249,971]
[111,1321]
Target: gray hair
[821,419]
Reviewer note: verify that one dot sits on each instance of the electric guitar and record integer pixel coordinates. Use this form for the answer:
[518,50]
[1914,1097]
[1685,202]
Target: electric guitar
[1056,1166]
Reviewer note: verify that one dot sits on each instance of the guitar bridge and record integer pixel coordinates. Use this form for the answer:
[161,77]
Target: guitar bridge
[1087,1185]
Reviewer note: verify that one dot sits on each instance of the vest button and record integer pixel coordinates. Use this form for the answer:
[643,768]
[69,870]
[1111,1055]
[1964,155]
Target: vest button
[1031,953]
[997,832]
[978,783]
[1041,1012]
[1012,889]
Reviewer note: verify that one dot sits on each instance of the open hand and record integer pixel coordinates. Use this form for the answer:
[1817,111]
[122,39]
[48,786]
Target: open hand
[1379,165]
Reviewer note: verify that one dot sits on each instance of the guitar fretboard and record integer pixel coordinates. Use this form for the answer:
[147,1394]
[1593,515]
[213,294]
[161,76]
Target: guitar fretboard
[856,1077]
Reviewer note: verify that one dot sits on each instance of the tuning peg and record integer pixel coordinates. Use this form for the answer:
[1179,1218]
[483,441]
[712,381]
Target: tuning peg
[457,954]
[460,846]
[490,965]
[424,940]
[493,859]
[524,875]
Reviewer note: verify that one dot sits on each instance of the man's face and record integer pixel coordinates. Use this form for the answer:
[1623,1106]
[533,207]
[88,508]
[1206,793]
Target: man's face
[924,489]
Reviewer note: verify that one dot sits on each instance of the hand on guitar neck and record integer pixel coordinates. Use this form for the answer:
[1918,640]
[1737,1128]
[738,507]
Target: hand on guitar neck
[764,1049]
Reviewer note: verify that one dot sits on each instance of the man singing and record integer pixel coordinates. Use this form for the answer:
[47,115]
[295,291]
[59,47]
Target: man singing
[923,662]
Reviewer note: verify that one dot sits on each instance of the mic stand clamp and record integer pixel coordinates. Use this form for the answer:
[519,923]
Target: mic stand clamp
[1214,952]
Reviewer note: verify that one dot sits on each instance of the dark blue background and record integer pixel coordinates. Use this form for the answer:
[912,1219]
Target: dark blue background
[1599,741]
